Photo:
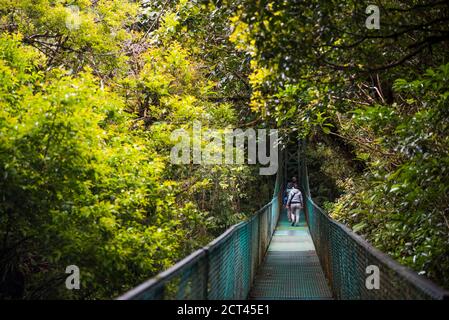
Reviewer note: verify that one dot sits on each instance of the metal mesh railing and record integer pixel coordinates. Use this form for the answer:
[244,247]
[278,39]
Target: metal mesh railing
[224,269]
[344,257]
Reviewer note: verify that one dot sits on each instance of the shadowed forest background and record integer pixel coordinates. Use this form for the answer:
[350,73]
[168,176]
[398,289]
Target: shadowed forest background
[86,113]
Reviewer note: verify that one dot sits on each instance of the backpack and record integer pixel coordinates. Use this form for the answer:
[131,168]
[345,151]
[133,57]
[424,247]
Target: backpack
[286,193]
[300,197]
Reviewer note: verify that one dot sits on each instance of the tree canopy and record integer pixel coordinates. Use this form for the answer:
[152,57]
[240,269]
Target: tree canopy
[91,90]
[373,104]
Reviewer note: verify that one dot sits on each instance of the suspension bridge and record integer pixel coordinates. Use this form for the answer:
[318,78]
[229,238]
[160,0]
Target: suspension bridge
[267,258]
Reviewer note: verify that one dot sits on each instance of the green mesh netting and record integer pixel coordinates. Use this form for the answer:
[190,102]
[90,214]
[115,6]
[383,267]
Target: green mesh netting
[344,257]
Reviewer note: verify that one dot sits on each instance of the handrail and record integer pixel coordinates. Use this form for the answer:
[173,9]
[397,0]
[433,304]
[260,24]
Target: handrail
[206,273]
[163,276]
[412,285]
[226,267]
[345,256]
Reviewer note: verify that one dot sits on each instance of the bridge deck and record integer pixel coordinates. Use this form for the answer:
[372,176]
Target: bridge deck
[291,269]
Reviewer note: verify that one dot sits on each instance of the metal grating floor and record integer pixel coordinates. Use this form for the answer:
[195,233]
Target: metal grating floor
[291,269]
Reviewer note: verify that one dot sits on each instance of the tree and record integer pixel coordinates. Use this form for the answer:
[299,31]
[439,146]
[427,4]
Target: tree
[368,100]
[85,121]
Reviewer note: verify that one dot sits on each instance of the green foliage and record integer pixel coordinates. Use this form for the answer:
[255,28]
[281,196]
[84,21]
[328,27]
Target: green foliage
[86,113]
[85,121]
[373,106]
[99,40]
[76,187]
[408,203]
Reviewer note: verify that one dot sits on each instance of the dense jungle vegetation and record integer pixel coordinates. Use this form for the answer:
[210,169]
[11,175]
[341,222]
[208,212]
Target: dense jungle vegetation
[90,91]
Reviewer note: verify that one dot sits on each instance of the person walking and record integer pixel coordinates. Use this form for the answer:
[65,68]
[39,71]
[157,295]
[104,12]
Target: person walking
[295,203]
[286,194]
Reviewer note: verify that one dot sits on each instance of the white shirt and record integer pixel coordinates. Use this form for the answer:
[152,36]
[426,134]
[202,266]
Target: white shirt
[295,196]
